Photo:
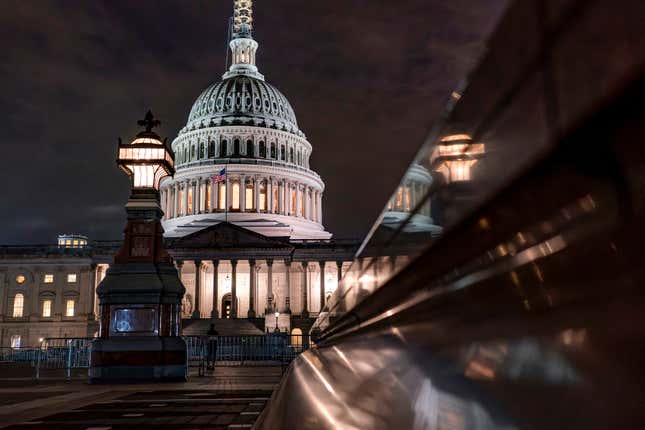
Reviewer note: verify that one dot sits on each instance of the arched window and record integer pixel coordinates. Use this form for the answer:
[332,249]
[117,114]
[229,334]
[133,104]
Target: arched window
[211,149]
[290,155]
[185,155]
[193,153]
[250,148]
[293,201]
[201,150]
[18,305]
[299,158]
[263,150]
[273,150]
[283,154]
[223,149]
[236,148]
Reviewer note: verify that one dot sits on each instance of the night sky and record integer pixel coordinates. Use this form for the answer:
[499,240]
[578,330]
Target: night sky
[366,79]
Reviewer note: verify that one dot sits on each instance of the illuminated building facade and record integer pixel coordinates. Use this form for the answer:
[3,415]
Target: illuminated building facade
[248,243]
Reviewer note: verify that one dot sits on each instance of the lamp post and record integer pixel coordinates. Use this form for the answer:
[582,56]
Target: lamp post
[277,314]
[140,296]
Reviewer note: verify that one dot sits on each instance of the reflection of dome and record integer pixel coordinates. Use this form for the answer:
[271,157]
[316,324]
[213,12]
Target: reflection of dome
[243,100]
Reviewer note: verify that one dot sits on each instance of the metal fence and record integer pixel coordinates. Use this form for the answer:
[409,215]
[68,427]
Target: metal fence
[61,357]
[273,349]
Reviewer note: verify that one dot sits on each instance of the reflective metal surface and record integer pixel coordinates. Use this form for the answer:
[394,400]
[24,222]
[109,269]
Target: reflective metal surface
[504,288]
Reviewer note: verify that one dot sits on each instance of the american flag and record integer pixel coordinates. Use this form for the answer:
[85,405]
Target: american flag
[220,177]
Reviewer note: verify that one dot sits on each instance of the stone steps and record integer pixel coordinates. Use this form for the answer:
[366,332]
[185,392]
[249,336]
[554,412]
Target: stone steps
[225,327]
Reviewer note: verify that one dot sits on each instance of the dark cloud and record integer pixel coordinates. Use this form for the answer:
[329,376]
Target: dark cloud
[365,77]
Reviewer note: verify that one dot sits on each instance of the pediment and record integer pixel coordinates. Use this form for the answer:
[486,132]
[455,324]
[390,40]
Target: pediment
[227,235]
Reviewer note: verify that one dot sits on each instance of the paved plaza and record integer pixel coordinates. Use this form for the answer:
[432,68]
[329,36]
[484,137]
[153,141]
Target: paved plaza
[228,398]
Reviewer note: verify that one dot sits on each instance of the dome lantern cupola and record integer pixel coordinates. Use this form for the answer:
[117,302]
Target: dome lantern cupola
[243,47]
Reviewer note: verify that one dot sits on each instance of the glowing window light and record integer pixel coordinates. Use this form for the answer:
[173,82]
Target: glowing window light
[207,197]
[235,197]
[20,279]
[69,308]
[49,278]
[189,210]
[15,341]
[18,305]
[293,201]
[276,202]
[71,278]
[263,196]
[248,197]
[222,196]
[47,308]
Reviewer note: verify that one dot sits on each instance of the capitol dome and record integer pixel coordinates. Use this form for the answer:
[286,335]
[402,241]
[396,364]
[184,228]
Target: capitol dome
[243,100]
[242,158]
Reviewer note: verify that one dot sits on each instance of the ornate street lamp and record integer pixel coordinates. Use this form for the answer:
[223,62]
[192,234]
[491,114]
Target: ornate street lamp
[277,314]
[140,296]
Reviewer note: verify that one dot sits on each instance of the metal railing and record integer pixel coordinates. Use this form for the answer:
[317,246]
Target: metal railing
[272,349]
[63,354]
[68,354]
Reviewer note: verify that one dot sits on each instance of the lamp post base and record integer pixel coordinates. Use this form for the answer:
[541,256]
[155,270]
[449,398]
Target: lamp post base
[138,360]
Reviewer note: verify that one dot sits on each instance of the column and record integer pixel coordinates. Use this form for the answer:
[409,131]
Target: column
[198,290]
[176,201]
[234,289]
[214,313]
[307,203]
[269,308]
[214,195]
[322,284]
[281,193]
[186,185]
[339,266]
[256,193]
[90,314]
[195,197]
[305,310]
[252,288]
[287,298]
[320,217]
[242,193]
[269,195]
[198,197]
[228,192]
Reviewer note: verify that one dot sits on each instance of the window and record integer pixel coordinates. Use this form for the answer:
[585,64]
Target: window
[181,202]
[282,153]
[250,149]
[49,278]
[189,210]
[69,308]
[201,151]
[211,150]
[263,196]
[293,202]
[248,197]
[18,305]
[222,196]
[236,148]
[276,200]
[47,308]
[263,150]
[15,341]
[296,338]
[207,196]
[272,150]
[20,279]
[290,155]
[235,197]
[71,278]
[223,149]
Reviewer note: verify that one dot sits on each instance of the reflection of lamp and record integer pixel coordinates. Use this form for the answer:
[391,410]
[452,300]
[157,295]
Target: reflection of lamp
[454,157]
[277,314]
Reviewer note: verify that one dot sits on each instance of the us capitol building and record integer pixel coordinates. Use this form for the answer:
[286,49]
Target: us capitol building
[243,221]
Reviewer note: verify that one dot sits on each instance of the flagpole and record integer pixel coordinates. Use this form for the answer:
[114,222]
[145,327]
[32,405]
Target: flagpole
[226,200]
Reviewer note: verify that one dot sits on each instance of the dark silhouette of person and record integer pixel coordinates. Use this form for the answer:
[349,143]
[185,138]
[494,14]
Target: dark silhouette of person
[212,347]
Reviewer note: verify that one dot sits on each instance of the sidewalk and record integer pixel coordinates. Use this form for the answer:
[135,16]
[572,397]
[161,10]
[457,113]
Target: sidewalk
[231,397]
